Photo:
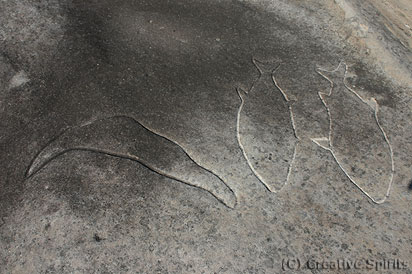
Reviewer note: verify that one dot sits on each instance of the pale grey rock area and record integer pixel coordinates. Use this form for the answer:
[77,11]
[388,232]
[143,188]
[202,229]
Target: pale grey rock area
[122,151]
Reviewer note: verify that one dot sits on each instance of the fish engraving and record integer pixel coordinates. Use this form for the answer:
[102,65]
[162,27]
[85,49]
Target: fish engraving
[356,139]
[125,137]
[265,129]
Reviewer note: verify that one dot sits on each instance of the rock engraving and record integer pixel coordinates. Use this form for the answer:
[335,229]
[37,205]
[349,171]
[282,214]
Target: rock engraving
[356,139]
[125,137]
[266,130]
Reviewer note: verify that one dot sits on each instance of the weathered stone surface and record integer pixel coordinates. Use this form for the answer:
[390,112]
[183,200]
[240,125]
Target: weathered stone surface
[81,191]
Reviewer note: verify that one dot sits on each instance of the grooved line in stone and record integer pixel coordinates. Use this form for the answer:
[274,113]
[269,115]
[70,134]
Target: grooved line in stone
[292,119]
[238,135]
[328,139]
[240,143]
[222,193]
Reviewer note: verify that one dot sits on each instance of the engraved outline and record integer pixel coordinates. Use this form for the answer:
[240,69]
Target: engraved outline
[29,173]
[289,104]
[318,141]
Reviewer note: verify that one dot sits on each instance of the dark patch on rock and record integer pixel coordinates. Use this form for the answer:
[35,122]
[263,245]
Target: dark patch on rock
[97,238]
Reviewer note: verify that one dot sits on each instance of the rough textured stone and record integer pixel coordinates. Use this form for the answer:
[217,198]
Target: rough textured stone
[175,67]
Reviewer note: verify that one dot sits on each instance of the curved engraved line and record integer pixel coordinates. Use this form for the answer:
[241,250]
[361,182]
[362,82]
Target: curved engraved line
[181,147]
[285,97]
[261,72]
[27,173]
[242,147]
[292,119]
[255,62]
[130,157]
[377,121]
[291,164]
